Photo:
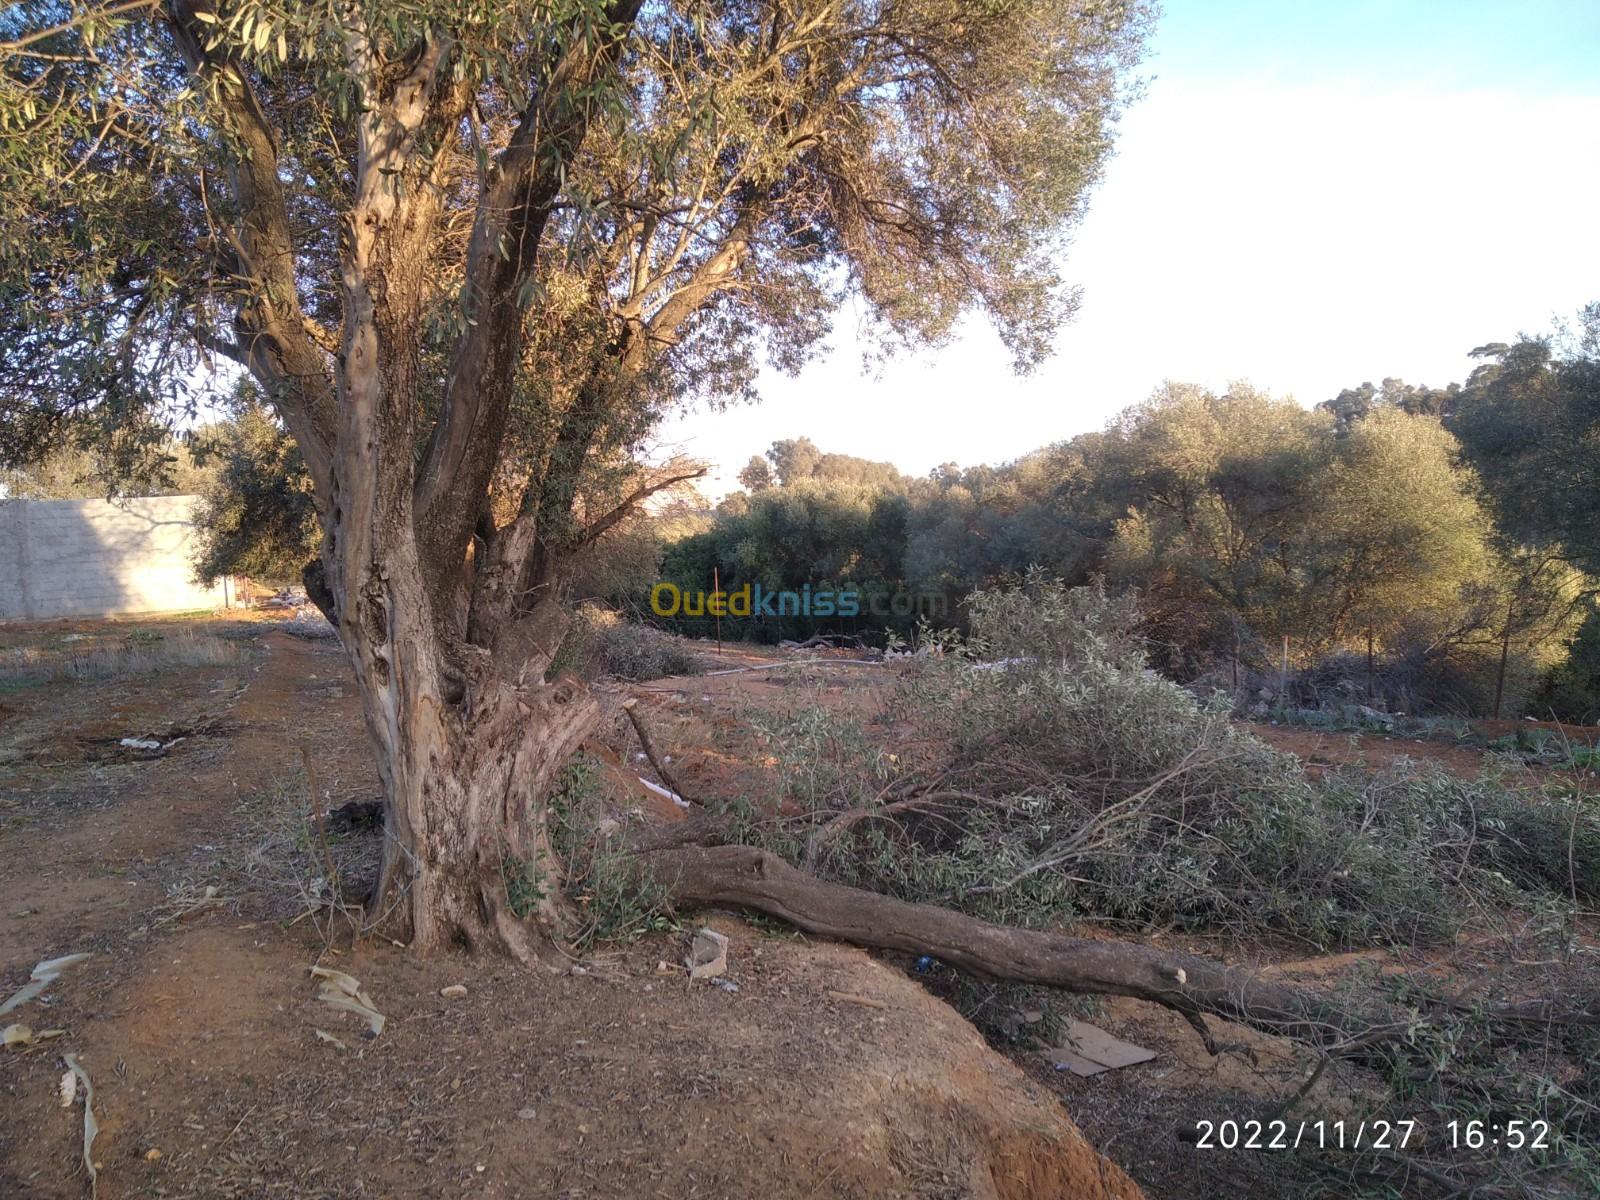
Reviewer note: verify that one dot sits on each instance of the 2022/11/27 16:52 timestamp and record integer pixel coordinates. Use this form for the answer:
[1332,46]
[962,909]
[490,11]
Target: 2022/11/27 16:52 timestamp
[1475,1134]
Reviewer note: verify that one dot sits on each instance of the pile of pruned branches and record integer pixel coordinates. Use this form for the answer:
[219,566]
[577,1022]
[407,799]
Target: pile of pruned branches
[1053,776]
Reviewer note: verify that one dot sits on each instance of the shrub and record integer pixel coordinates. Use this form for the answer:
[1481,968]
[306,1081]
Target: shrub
[601,642]
[632,651]
[614,903]
[1065,779]
[1042,618]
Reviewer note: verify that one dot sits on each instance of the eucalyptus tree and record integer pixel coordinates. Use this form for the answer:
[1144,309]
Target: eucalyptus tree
[471,252]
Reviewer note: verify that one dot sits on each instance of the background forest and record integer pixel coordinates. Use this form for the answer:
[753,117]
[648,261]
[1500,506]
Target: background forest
[1431,548]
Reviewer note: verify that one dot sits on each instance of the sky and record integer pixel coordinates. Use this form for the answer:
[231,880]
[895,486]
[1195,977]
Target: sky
[1306,196]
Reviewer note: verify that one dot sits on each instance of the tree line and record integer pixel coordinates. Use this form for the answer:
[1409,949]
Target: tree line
[1434,547]
[1430,547]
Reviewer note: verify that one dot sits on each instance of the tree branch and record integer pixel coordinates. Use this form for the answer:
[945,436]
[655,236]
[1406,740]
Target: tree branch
[270,326]
[752,878]
[462,450]
[639,495]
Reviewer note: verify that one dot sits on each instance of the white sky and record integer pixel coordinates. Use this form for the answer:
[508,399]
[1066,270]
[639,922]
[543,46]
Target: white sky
[1304,236]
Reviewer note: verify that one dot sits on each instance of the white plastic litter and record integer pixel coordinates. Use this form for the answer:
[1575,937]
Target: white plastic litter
[667,792]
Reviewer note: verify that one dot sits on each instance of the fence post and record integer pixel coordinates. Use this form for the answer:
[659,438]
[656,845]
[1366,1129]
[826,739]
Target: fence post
[716,591]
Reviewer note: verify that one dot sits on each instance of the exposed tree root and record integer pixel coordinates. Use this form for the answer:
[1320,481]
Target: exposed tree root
[693,871]
[749,877]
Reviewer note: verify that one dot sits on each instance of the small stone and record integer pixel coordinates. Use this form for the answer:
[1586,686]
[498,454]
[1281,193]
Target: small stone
[708,954]
[456,991]
[152,1154]
[527,1114]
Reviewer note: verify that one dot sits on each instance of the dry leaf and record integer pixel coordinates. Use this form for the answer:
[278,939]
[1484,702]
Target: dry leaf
[91,1127]
[343,992]
[43,976]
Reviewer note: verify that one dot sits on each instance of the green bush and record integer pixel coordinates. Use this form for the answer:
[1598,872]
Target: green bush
[614,905]
[1073,782]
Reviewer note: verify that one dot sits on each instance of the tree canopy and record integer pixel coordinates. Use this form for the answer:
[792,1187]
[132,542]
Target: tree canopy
[665,193]
[470,253]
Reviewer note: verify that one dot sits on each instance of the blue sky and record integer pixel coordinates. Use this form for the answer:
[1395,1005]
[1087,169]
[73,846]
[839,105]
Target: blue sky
[1306,196]
[1545,48]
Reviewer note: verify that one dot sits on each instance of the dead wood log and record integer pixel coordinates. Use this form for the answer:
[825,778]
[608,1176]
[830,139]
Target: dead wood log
[824,640]
[748,877]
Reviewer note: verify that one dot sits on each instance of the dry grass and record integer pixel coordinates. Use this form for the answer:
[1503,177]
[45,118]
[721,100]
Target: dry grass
[66,661]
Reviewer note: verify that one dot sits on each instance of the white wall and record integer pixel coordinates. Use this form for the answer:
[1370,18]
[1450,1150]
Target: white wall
[93,558]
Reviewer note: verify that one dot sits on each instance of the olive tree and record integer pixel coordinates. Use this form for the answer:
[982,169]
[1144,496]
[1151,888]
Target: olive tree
[471,252]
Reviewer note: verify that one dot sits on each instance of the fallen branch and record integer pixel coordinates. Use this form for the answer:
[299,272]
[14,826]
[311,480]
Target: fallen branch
[685,862]
[799,662]
[823,640]
[749,877]
[656,760]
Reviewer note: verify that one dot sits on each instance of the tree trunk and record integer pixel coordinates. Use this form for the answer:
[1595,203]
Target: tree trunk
[466,757]
[467,859]
[1505,656]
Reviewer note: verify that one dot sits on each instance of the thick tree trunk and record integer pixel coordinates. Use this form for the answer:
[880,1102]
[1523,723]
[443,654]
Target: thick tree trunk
[467,751]
[466,857]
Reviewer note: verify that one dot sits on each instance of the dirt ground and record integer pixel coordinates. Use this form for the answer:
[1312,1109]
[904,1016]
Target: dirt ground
[197,1021]
[1322,749]
[188,874]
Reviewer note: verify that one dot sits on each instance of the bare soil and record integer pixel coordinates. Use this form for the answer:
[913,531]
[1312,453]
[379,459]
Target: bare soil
[606,1077]
[1324,749]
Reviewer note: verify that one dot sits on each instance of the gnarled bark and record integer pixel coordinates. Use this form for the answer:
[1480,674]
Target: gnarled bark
[467,858]
[468,744]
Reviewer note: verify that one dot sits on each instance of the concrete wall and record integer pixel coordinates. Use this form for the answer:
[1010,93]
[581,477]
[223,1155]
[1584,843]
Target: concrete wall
[96,558]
